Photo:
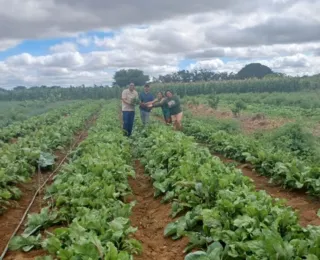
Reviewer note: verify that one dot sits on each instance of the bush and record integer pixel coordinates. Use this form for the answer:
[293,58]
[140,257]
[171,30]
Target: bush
[237,107]
[294,138]
[213,101]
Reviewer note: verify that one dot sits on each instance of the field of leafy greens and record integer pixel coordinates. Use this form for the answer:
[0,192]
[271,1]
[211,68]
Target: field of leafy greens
[22,128]
[289,157]
[19,160]
[220,211]
[86,199]
[86,216]
[17,111]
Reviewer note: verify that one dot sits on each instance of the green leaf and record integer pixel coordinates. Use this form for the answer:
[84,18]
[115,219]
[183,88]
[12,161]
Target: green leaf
[214,246]
[199,255]
[112,253]
[52,244]
[46,159]
[170,229]
[47,257]
[312,257]
[87,250]
[118,224]
[25,243]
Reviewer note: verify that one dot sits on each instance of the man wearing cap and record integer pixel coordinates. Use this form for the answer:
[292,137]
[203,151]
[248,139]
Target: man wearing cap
[128,108]
[145,109]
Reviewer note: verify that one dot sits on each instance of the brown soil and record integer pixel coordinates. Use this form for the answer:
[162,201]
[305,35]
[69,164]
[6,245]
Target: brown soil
[151,217]
[11,218]
[305,206]
[13,140]
[249,124]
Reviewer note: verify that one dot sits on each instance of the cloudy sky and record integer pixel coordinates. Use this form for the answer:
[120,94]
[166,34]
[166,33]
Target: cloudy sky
[73,42]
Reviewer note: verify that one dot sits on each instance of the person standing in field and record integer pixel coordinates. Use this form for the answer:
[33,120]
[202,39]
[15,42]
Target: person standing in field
[164,106]
[145,107]
[128,97]
[174,105]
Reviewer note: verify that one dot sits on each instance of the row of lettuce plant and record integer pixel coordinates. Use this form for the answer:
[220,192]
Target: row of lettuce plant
[19,160]
[87,199]
[32,124]
[218,208]
[286,168]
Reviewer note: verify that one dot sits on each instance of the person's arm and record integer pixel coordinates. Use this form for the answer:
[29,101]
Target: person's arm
[142,104]
[153,101]
[160,103]
[124,98]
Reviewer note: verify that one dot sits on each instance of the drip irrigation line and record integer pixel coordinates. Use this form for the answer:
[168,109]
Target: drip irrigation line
[36,193]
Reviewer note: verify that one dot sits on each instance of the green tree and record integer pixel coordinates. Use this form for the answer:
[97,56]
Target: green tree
[254,70]
[123,78]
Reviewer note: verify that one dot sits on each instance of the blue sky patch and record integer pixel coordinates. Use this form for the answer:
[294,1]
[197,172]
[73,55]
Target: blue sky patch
[39,47]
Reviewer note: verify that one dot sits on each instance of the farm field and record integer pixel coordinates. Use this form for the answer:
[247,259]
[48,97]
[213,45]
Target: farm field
[212,191]
[287,150]
[17,111]
[257,113]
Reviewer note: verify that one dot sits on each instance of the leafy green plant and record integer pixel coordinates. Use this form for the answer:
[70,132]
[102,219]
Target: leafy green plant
[237,107]
[86,199]
[220,211]
[213,101]
[25,243]
[135,101]
[20,159]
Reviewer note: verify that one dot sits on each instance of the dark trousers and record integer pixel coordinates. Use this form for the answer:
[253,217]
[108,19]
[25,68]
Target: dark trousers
[128,119]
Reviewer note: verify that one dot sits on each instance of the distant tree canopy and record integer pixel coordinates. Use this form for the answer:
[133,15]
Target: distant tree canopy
[123,78]
[254,70]
[182,82]
[195,75]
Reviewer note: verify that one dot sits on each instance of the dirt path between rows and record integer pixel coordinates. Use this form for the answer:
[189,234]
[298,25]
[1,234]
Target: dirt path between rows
[150,216]
[11,218]
[306,206]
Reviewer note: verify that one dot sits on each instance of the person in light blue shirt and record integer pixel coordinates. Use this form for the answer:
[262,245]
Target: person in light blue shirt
[145,108]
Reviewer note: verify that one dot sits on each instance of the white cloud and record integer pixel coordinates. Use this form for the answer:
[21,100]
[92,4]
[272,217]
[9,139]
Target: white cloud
[84,41]
[215,64]
[39,17]
[298,64]
[7,44]
[282,34]
[64,47]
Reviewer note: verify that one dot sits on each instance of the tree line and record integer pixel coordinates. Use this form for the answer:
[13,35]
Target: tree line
[124,77]
[56,93]
[252,78]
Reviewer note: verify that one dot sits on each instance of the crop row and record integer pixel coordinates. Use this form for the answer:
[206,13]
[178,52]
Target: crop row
[282,167]
[14,111]
[304,100]
[225,103]
[87,199]
[220,210]
[19,160]
[26,127]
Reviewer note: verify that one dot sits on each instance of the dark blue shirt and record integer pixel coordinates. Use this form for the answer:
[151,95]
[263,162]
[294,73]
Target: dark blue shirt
[144,98]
